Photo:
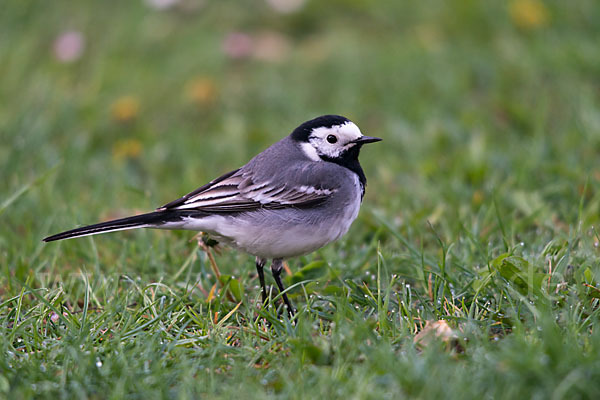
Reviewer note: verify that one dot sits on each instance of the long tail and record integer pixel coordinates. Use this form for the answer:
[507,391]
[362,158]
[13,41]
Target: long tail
[157,219]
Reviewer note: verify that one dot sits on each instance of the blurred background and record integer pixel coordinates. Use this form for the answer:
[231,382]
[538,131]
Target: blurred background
[479,212]
[111,108]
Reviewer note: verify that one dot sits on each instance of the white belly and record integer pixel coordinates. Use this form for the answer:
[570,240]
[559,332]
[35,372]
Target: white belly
[281,233]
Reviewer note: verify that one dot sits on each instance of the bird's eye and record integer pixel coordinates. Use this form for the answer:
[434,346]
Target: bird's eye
[332,139]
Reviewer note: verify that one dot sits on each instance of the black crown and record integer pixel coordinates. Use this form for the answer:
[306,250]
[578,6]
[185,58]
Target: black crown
[302,132]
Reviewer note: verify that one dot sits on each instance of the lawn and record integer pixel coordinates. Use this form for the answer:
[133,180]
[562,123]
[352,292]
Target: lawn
[480,214]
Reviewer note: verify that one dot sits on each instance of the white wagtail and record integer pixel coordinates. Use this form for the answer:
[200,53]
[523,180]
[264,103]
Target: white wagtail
[295,197]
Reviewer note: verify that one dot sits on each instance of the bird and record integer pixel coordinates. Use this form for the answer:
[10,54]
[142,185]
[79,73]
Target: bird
[298,195]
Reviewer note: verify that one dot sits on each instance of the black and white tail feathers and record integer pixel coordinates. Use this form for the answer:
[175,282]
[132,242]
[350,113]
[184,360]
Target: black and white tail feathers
[150,220]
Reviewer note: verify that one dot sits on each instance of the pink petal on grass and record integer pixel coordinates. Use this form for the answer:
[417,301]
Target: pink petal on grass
[238,45]
[286,6]
[54,317]
[161,4]
[69,46]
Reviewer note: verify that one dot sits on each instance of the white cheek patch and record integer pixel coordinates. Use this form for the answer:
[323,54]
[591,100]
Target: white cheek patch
[318,145]
[310,151]
[326,149]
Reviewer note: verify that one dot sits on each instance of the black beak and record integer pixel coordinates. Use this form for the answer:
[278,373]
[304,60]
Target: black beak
[367,139]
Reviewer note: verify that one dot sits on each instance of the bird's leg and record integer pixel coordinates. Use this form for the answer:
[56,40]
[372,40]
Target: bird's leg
[276,269]
[260,263]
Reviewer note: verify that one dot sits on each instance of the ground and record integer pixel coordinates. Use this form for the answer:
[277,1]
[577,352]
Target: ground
[472,271]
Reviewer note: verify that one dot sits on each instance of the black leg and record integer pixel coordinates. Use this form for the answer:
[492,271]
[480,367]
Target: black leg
[260,263]
[276,269]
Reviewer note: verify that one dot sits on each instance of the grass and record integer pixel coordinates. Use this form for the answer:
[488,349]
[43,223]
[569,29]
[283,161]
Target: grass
[481,209]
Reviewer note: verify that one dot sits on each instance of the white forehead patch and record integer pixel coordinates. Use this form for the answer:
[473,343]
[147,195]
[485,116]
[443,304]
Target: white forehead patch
[345,132]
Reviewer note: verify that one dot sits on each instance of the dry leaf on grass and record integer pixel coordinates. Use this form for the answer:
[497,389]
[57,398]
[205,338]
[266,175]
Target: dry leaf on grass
[438,331]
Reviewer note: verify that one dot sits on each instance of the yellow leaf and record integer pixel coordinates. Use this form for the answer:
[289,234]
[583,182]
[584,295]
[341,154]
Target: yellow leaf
[528,14]
[125,108]
[229,314]
[126,148]
[211,294]
[201,91]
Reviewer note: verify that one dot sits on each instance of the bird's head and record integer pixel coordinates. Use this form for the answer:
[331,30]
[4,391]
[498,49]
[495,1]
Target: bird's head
[331,138]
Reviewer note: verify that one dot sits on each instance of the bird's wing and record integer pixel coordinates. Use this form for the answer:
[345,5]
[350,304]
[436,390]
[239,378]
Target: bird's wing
[239,191]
